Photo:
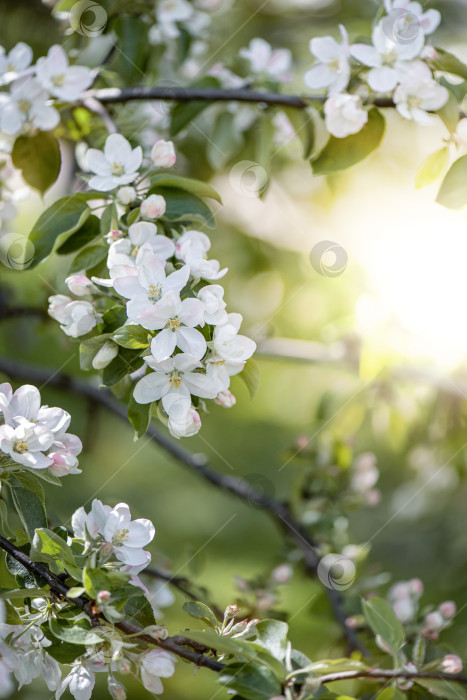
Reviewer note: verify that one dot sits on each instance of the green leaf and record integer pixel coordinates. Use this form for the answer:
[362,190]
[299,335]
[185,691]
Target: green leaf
[224,141]
[263,145]
[126,362]
[304,127]
[448,63]
[114,318]
[250,374]
[200,611]
[76,632]
[237,647]
[90,256]
[50,548]
[88,231]
[30,509]
[63,652]
[391,694]
[272,635]
[453,191]
[139,612]
[130,61]
[109,219]
[197,187]
[444,689]
[433,167]
[449,113]
[24,578]
[339,154]
[251,681]
[183,113]
[131,336]
[139,415]
[64,217]
[383,621]
[30,481]
[185,206]
[38,158]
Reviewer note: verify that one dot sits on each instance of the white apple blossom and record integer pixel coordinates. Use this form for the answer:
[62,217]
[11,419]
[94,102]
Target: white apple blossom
[264,60]
[387,58]
[185,425]
[76,318]
[175,375]
[163,154]
[169,13]
[225,398]
[214,305]
[419,94]
[126,195]
[124,252]
[176,320]
[146,289]
[157,664]
[153,207]
[333,69]
[26,444]
[26,106]
[59,78]
[80,682]
[229,345]
[87,525]
[127,536]
[344,115]
[117,165]
[80,285]
[14,63]
[192,248]
[412,17]
[105,355]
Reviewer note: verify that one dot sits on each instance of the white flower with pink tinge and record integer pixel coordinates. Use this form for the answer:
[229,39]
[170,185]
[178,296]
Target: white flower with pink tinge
[192,247]
[264,60]
[76,318]
[413,16]
[26,444]
[157,664]
[144,233]
[14,63]
[344,115]
[26,106]
[117,165]
[419,94]
[333,69]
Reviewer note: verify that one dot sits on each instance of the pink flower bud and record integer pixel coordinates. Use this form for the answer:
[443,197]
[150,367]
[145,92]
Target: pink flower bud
[352,622]
[153,206]
[163,154]
[416,587]
[434,622]
[114,235]
[282,573]
[225,399]
[302,442]
[126,195]
[448,609]
[103,597]
[80,285]
[116,689]
[451,664]
[231,610]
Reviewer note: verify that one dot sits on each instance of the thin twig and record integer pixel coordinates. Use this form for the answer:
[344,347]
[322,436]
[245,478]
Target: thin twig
[198,464]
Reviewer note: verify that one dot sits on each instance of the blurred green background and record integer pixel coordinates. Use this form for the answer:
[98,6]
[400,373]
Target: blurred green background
[399,308]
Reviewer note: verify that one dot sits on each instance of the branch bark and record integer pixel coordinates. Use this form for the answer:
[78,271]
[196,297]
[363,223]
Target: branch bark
[198,464]
[173,644]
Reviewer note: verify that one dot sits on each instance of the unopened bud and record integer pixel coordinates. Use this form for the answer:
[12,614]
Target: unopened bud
[105,355]
[156,632]
[434,622]
[282,573]
[448,609]
[126,195]
[103,597]
[80,285]
[416,586]
[225,399]
[351,622]
[153,207]
[302,442]
[451,664]
[231,610]
[116,689]
[163,154]
[114,235]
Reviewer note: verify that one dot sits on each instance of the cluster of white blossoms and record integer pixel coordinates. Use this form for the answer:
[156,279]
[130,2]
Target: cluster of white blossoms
[169,286]
[395,65]
[28,103]
[35,436]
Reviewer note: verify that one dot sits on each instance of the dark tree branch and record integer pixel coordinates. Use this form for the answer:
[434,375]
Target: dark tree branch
[177,645]
[381,673]
[183,94]
[196,463]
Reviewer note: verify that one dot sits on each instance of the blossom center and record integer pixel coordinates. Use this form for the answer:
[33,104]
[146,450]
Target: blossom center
[389,57]
[121,536]
[117,168]
[20,446]
[414,101]
[154,292]
[175,381]
[59,80]
[174,323]
[24,105]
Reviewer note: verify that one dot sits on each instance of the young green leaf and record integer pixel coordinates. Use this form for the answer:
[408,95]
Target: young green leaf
[50,548]
[139,416]
[30,508]
[131,336]
[272,635]
[432,168]
[87,258]
[383,621]
[200,611]
[64,217]
[251,376]
[75,632]
[184,113]
[448,63]
[444,689]
[185,206]
[197,187]
[453,191]
[38,157]
[126,362]
[339,154]
[250,681]
[88,231]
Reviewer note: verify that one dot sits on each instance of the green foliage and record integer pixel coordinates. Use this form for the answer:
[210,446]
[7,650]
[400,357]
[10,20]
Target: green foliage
[200,611]
[88,231]
[38,157]
[448,63]
[453,190]
[382,620]
[433,167]
[251,376]
[196,187]
[133,337]
[251,681]
[139,415]
[62,218]
[339,154]
[89,257]
[184,113]
[50,548]
[30,506]
[183,206]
